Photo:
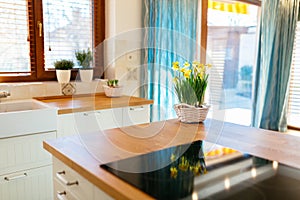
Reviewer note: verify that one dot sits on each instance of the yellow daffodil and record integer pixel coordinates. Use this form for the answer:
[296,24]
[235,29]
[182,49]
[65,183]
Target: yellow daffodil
[184,164]
[174,172]
[201,74]
[182,69]
[209,65]
[176,66]
[186,64]
[187,73]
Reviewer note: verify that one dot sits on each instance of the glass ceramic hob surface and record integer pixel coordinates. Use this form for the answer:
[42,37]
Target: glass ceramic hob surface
[186,172]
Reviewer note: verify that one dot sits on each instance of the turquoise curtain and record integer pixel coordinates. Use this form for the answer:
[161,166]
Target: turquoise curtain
[277,30]
[170,35]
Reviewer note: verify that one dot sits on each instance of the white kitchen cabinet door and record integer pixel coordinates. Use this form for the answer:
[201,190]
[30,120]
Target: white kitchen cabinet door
[66,125]
[33,184]
[136,115]
[24,152]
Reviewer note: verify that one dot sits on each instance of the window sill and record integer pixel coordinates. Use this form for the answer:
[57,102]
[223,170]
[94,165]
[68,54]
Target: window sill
[28,90]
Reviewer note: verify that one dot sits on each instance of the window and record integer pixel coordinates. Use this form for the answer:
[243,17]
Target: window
[294,92]
[231,47]
[66,29]
[35,33]
[14,56]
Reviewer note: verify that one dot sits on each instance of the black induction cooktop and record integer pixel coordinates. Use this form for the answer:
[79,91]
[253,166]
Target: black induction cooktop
[182,172]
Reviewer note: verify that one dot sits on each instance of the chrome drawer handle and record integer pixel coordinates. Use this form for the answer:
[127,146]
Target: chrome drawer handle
[61,195]
[93,112]
[7,178]
[137,109]
[63,180]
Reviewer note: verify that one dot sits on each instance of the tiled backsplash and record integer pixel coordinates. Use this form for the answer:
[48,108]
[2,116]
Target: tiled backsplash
[24,90]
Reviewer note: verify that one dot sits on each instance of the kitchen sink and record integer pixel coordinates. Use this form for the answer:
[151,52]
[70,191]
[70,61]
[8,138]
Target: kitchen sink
[24,117]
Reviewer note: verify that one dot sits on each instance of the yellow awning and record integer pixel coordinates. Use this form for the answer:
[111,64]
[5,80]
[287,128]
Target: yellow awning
[240,8]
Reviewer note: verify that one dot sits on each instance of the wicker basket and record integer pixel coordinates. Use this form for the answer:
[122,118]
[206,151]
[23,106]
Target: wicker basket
[191,114]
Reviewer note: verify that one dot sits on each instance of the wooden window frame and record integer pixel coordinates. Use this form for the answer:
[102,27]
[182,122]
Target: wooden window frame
[36,43]
[204,10]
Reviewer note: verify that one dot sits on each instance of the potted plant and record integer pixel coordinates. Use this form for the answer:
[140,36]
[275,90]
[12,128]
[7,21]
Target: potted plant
[112,88]
[63,70]
[84,59]
[190,86]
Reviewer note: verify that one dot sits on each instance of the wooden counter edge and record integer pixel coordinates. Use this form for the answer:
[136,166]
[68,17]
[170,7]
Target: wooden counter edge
[86,109]
[138,102]
[122,191]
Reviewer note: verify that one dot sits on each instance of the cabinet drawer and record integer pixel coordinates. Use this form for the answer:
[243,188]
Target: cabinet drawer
[24,152]
[34,184]
[99,120]
[136,115]
[61,192]
[71,182]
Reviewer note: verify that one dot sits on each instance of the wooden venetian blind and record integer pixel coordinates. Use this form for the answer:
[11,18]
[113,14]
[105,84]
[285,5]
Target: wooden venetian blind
[14,40]
[294,92]
[68,26]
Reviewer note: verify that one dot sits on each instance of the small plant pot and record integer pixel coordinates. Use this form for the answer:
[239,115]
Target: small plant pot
[63,76]
[113,91]
[86,75]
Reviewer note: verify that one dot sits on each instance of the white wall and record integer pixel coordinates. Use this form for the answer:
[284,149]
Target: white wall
[123,42]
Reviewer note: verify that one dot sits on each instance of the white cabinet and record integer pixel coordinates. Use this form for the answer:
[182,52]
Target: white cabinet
[29,184]
[136,115]
[25,168]
[92,121]
[24,152]
[68,184]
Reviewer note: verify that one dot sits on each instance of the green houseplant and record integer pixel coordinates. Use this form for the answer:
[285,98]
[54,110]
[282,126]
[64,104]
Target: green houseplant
[84,59]
[112,88]
[190,83]
[63,70]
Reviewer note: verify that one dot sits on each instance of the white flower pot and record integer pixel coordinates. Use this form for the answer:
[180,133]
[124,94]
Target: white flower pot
[86,75]
[113,91]
[63,76]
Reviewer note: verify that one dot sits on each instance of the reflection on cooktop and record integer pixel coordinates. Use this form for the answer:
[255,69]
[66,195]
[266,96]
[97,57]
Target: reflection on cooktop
[181,172]
[251,179]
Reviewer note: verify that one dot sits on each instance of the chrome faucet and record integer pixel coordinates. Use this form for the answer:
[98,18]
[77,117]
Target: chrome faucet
[4,93]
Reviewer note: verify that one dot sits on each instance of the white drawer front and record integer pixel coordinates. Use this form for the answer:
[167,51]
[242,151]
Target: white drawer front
[99,120]
[61,192]
[91,121]
[19,153]
[136,115]
[73,183]
[34,184]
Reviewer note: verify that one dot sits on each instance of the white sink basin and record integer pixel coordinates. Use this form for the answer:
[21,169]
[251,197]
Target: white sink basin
[26,117]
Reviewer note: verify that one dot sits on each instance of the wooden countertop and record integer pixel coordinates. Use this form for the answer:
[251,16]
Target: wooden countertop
[87,102]
[125,142]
